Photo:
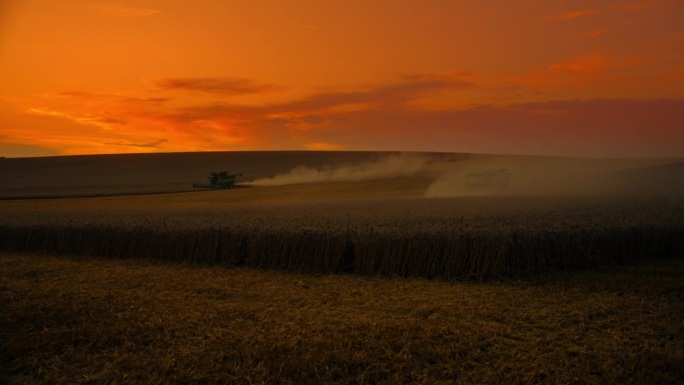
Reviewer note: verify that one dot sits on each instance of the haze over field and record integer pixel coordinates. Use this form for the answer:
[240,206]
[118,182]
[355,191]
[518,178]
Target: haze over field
[392,166]
[580,78]
[338,175]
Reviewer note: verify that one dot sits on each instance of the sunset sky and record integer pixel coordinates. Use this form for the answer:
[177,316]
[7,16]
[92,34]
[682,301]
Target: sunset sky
[553,77]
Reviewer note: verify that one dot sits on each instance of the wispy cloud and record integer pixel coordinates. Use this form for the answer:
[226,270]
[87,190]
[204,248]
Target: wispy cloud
[216,86]
[403,90]
[593,64]
[591,34]
[640,5]
[576,70]
[579,13]
[120,10]
[90,96]
[296,123]
[156,144]
[81,95]
[314,111]
[631,6]
[103,121]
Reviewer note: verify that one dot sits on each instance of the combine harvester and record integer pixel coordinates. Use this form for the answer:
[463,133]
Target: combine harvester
[219,180]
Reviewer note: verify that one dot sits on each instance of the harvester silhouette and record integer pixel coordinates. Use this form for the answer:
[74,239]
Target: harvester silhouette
[219,180]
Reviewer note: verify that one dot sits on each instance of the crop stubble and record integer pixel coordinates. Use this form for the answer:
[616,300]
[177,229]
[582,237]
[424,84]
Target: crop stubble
[73,320]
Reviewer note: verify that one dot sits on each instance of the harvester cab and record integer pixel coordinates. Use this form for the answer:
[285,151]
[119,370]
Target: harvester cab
[219,180]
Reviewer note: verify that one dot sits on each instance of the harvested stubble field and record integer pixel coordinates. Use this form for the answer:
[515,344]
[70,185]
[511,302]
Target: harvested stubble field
[74,320]
[105,312]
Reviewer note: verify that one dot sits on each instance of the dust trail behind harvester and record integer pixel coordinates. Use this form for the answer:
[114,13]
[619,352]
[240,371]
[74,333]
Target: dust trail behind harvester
[403,165]
[487,175]
[522,175]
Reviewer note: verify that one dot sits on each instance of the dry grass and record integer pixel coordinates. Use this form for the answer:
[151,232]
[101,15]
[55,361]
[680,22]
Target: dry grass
[68,320]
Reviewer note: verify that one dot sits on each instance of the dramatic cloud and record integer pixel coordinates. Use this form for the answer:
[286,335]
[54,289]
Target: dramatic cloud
[217,86]
[297,122]
[597,127]
[385,117]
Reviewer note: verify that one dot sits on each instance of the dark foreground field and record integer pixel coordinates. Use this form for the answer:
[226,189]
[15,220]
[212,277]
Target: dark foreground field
[74,320]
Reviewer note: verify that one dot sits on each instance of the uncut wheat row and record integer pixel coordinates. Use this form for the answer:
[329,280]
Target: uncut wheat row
[475,240]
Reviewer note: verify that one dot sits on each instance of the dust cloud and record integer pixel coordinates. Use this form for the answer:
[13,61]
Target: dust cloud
[502,175]
[389,167]
[492,176]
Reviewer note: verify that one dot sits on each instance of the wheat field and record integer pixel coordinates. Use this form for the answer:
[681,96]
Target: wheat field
[341,268]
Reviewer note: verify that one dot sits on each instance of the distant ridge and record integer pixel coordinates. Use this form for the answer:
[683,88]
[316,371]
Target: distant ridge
[151,173]
[666,178]
[148,173]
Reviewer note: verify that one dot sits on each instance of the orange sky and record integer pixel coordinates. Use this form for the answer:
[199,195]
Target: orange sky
[553,77]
